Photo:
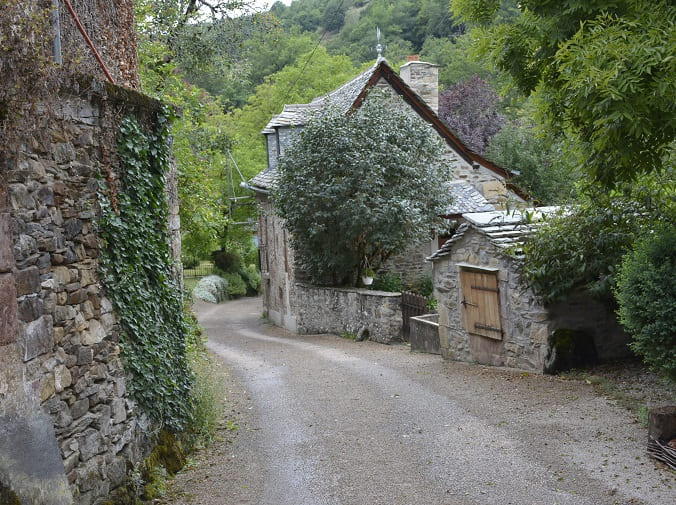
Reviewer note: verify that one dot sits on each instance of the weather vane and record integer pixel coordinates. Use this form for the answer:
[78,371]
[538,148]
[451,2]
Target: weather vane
[379,47]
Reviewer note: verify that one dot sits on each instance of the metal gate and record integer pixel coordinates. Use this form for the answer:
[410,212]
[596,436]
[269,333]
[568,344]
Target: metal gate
[411,305]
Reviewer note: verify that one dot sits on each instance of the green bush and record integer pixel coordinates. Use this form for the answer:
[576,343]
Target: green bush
[423,285]
[236,286]
[252,278]
[387,281]
[646,294]
[227,261]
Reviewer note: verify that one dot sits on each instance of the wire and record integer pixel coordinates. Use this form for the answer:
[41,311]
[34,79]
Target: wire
[302,70]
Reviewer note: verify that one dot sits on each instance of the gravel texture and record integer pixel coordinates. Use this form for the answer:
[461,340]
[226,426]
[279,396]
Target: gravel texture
[325,420]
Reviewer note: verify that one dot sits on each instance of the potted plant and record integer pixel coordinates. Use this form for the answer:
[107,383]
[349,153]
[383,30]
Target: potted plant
[367,276]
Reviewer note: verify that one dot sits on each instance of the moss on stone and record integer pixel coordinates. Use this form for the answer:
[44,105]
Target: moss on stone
[7,496]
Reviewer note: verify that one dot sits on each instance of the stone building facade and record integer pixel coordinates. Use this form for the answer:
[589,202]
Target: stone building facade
[487,316]
[69,431]
[418,86]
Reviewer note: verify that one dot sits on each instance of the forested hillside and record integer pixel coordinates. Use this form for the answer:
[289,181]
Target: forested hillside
[230,71]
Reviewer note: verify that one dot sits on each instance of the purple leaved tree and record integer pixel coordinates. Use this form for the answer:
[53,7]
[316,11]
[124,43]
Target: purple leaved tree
[471,110]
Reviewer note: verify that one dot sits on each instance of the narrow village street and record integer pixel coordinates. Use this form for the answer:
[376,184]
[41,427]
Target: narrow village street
[327,420]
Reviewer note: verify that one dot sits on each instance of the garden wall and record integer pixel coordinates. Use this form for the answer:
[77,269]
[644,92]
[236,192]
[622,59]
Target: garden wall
[69,427]
[338,311]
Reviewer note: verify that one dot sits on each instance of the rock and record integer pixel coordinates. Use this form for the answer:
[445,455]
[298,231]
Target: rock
[37,337]
[9,324]
[28,281]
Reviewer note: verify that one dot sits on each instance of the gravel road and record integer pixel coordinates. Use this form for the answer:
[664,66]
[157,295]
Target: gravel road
[325,420]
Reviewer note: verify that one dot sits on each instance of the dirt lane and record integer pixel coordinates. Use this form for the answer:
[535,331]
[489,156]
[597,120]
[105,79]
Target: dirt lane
[324,420]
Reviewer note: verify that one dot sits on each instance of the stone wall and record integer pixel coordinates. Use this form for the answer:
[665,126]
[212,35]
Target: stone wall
[110,26]
[60,354]
[277,267]
[335,310]
[524,321]
[527,324]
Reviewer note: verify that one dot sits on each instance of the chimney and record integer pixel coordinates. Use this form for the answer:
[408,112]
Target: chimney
[423,78]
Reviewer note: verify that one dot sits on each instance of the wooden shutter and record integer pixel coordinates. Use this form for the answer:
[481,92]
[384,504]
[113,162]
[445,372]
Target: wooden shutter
[481,303]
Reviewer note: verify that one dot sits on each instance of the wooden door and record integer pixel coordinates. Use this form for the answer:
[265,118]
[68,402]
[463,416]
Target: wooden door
[481,303]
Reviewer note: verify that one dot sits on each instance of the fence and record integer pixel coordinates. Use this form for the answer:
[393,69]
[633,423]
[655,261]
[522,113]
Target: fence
[198,268]
[411,305]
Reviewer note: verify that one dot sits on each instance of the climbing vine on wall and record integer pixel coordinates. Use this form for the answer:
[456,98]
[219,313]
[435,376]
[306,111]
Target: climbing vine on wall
[136,271]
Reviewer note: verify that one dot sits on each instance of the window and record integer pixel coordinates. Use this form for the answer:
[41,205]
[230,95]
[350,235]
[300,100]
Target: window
[480,301]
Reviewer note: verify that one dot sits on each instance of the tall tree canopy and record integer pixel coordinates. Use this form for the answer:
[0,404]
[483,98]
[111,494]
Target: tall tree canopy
[356,189]
[471,110]
[604,72]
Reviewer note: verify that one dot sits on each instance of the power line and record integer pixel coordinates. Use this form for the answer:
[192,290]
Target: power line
[302,70]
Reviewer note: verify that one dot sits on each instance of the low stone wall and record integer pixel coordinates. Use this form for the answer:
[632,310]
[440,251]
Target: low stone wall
[424,333]
[336,310]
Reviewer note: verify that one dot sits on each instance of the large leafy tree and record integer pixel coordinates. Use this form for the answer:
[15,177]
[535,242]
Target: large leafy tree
[471,110]
[604,71]
[356,189]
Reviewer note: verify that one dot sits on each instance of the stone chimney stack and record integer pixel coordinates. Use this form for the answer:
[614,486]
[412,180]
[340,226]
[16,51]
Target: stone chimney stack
[423,78]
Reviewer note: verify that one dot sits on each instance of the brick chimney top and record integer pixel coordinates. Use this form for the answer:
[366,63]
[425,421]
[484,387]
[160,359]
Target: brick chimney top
[413,57]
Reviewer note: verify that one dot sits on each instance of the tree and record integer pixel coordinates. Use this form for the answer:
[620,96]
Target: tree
[356,189]
[471,110]
[604,71]
[311,75]
[582,248]
[544,162]
[647,299]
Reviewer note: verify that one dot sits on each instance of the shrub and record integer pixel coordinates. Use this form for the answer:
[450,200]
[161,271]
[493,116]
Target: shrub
[236,286]
[252,278]
[213,289]
[387,281]
[423,285]
[227,261]
[646,294]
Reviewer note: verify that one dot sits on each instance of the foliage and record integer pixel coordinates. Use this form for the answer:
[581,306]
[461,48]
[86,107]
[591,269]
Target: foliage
[646,295]
[199,144]
[456,61]
[423,285]
[334,16]
[355,189]
[471,110]
[227,261]
[311,75]
[208,391]
[387,281]
[236,286]
[28,75]
[136,270]
[604,71]
[582,248]
[544,163]
[252,278]
[212,289]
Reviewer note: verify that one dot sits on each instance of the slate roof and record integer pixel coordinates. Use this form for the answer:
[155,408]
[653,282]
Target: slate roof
[465,198]
[506,229]
[265,180]
[351,94]
[342,98]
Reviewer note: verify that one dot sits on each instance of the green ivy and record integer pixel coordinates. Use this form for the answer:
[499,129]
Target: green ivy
[136,268]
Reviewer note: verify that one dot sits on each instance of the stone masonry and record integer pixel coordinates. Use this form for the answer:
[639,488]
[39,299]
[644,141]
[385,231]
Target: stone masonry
[60,354]
[524,321]
[336,310]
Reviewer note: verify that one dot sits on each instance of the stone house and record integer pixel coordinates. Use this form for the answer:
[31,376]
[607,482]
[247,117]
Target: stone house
[487,316]
[417,84]
[69,430]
